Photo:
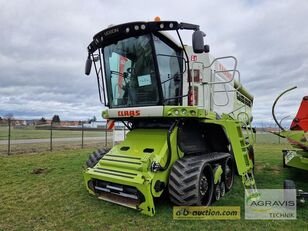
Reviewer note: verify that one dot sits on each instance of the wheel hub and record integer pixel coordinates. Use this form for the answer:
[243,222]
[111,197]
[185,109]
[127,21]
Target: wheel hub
[228,175]
[203,185]
[222,189]
[217,192]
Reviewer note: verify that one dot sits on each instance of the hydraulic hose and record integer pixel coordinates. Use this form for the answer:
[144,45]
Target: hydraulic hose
[170,130]
[273,107]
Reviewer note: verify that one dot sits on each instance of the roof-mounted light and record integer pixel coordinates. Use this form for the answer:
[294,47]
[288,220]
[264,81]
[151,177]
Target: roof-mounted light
[115,33]
[157,19]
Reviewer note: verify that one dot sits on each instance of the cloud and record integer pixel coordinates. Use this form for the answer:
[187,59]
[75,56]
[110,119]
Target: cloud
[43,49]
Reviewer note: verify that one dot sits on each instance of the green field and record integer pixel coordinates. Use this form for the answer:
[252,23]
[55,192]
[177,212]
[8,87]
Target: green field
[56,198]
[32,133]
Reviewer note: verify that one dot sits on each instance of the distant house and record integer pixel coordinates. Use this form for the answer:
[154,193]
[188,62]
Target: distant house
[69,123]
[95,124]
[30,122]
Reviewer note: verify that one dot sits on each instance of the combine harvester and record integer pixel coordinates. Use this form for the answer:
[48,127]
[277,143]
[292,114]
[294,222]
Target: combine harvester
[189,119]
[297,136]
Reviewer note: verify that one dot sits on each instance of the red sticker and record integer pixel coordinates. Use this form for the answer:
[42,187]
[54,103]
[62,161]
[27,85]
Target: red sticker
[194,58]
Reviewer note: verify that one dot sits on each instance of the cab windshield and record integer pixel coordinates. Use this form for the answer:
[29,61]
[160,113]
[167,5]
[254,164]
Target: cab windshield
[131,77]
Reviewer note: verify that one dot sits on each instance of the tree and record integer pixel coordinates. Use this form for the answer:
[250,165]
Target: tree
[9,116]
[42,121]
[1,118]
[56,119]
[93,119]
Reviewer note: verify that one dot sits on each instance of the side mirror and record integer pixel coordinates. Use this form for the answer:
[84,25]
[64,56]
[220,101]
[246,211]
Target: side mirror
[88,66]
[198,42]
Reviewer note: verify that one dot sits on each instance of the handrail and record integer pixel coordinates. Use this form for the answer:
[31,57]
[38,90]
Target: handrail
[235,73]
[223,57]
[248,127]
[227,96]
[221,82]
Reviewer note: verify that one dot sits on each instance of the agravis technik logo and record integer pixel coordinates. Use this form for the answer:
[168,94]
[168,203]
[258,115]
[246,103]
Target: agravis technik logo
[273,204]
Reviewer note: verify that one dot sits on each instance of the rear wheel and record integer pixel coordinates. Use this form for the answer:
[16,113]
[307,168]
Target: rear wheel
[95,157]
[191,182]
[289,185]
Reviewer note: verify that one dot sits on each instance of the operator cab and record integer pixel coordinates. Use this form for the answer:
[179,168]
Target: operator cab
[137,65]
[139,70]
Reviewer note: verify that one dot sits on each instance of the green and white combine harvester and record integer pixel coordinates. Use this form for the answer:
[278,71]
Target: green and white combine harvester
[189,120]
[297,155]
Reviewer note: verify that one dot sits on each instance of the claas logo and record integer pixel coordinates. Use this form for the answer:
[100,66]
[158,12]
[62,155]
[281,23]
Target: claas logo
[131,113]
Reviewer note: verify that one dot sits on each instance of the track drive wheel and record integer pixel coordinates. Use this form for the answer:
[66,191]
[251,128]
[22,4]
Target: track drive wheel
[95,157]
[191,182]
[228,173]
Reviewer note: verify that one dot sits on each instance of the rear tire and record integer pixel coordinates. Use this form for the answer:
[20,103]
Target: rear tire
[289,184]
[95,157]
[191,182]
[288,196]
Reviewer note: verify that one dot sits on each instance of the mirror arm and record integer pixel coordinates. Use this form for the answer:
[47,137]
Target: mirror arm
[188,26]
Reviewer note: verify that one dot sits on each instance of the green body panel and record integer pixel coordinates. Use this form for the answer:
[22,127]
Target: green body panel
[239,147]
[217,174]
[185,112]
[296,138]
[132,167]
[296,159]
[243,90]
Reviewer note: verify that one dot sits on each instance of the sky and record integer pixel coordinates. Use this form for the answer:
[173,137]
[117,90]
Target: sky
[43,50]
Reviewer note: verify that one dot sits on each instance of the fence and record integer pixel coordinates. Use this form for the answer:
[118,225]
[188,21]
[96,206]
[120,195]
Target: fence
[28,136]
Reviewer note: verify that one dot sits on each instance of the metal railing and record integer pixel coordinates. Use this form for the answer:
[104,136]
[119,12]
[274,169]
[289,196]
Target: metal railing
[213,75]
[28,136]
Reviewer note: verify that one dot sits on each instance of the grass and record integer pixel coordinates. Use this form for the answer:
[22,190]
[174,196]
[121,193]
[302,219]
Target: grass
[32,133]
[269,138]
[56,198]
